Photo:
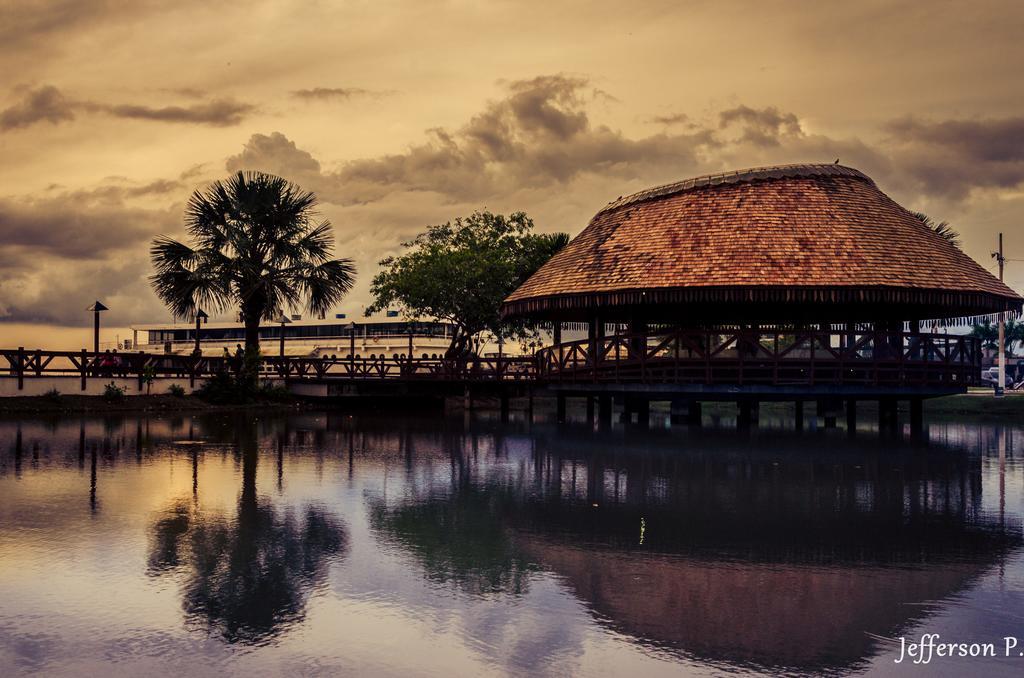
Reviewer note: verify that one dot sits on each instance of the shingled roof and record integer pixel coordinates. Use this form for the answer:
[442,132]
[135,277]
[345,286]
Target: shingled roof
[792,236]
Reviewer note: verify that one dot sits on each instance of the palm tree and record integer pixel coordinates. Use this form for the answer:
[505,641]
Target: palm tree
[256,244]
[989,334]
[942,228]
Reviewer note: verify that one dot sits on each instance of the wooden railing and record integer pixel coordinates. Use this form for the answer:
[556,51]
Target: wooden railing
[28,364]
[772,357]
[718,356]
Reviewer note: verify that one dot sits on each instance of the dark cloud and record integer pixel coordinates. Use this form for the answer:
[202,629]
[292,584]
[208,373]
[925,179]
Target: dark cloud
[539,134]
[219,112]
[58,252]
[45,104]
[37,295]
[953,157]
[78,225]
[540,137]
[672,119]
[330,93]
[49,104]
[276,154]
[761,127]
[30,24]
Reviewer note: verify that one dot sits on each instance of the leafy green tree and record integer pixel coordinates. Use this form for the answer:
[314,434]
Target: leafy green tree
[256,244]
[942,228]
[461,271]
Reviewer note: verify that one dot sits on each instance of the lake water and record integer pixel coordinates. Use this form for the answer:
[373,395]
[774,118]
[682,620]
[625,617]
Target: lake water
[329,544]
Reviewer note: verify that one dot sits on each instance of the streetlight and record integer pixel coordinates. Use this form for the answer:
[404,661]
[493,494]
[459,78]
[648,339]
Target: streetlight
[200,317]
[284,321]
[96,309]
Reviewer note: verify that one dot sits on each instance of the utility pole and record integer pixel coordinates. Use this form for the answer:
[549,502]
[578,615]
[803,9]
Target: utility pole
[1001,375]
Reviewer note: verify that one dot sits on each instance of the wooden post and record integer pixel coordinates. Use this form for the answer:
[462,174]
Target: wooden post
[694,414]
[851,416]
[85,367]
[21,368]
[560,408]
[504,406]
[643,412]
[556,337]
[39,363]
[604,409]
[677,409]
[916,418]
[798,414]
[745,416]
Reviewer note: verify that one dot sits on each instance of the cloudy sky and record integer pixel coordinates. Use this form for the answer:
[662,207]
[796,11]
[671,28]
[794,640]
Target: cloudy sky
[403,114]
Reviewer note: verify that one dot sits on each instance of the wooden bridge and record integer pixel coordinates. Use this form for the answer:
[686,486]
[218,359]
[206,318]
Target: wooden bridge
[738,357]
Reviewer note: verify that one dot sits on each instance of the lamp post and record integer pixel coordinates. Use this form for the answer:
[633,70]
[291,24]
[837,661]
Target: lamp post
[284,321]
[96,309]
[200,317]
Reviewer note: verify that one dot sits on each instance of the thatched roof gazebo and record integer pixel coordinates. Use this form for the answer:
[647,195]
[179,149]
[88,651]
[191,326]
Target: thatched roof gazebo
[775,280]
[806,243]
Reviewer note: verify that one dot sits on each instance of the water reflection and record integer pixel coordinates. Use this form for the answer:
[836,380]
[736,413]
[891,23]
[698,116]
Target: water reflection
[546,546]
[766,557]
[247,578]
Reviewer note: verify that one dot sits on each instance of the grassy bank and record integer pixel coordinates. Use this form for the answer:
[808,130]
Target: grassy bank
[978,405]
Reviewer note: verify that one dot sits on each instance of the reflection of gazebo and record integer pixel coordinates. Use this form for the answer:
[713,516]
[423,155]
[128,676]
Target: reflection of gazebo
[799,617]
[761,557]
[792,280]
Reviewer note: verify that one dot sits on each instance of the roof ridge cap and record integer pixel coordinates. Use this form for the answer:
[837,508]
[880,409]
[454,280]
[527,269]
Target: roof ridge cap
[750,175]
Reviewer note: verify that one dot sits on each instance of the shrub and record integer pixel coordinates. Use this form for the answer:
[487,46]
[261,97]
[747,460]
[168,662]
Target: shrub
[113,393]
[272,393]
[176,390]
[53,395]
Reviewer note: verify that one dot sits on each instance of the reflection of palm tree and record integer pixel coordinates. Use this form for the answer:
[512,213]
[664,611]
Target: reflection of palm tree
[458,539]
[250,579]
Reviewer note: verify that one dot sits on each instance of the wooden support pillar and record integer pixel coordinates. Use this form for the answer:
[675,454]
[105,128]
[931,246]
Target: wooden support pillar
[851,416]
[888,416]
[467,398]
[590,409]
[604,409]
[917,418]
[593,341]
[744,416]
[504,406]
[21,367]
[639,406]
[85,366]
[638,344]
[643,412]
[827,411]
[694,413]
[529,407]
[798,414]
[560,408]
[677,411]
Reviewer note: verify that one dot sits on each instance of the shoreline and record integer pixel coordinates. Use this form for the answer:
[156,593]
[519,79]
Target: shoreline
[973,405]
[74,404]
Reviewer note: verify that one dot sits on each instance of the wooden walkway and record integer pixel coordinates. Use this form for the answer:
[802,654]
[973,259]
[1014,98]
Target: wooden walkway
[718,357]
